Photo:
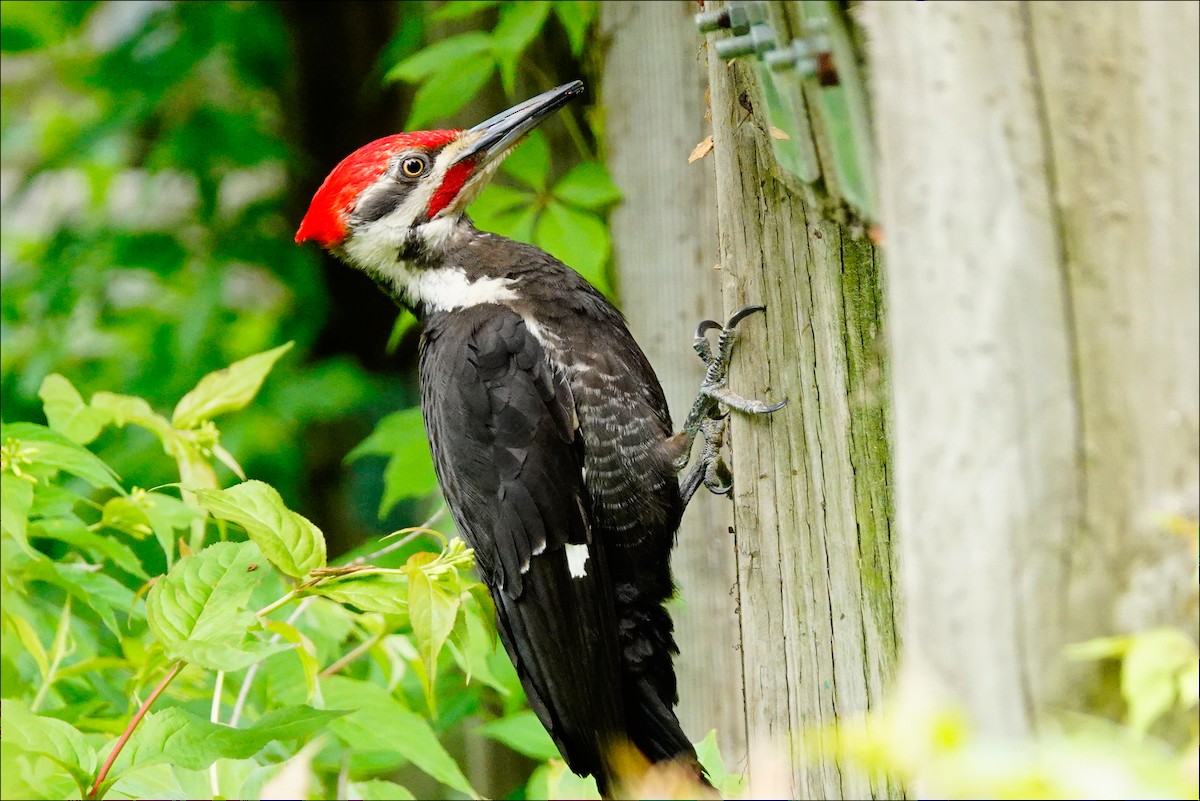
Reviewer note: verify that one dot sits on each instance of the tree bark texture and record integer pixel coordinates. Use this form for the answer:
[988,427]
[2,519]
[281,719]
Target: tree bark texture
[1038,171]
[665,247]
[812,501]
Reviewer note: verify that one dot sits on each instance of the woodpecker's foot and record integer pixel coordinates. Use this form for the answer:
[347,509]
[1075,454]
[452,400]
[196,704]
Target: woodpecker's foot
[714,391]
[711,471]
[708,414]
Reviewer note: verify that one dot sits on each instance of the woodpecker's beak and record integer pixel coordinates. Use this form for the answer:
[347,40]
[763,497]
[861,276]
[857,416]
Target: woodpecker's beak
[492,138]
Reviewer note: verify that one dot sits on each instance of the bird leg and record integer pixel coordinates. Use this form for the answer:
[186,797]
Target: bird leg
[709,414]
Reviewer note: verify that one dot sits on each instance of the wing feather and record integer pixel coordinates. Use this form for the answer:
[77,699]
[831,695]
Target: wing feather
[505,440]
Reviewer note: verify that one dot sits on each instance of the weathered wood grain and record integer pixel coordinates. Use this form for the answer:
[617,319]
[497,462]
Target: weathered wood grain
[1038,181]
[812,502]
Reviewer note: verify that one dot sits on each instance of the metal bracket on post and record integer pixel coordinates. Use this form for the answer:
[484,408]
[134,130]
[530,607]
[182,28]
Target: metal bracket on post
[816,100]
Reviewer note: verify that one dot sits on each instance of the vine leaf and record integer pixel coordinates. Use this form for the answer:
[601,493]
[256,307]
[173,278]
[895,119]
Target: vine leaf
[40,446]
[188,741]
[386,593]
[288,539]
[198,611]
[588,186]
[227,389]
[67,413]
[54,739]
[380,725]
[523,733]
[16,499]
[409,472]
[432,611]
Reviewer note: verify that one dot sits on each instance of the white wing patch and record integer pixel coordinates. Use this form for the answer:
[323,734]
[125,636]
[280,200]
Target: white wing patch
[577,556]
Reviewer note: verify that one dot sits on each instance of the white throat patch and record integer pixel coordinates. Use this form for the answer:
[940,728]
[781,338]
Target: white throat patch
[446,288]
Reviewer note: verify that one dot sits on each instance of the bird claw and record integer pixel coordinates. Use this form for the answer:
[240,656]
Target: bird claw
[742,314]
[709,414]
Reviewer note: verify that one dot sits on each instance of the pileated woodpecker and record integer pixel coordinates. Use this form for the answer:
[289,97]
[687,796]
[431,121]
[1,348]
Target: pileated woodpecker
[549,432]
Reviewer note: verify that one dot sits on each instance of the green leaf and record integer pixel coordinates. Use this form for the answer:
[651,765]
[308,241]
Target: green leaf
[103,594]
[578,239]
[203,600]
[1099,648]
[55,739]
[219,656]
[51,449]
[587,185]
[67,413]
[555,780]
[529,163]
[122,513]
[478,643]
[378,789]
[519,23]
[227,389]
[405,322]
[1150,674]
[729,785]
[576,17]
[523,733]
[440,57]
[409,472]
[445,92]
[73,532]
[288,539]
[166,515]
[126,409]
[186,740]
[517,225]
[29,638]
[369,592]
[16,498]
[380,723]
[461,9]
[432,611]
[24,775]
[305,650]
[496,199]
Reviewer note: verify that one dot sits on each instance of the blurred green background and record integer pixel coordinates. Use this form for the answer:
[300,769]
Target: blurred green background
[157,158]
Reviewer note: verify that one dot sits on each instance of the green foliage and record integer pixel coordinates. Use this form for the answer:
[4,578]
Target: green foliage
[144,238]
[564,217]
[409,472]
[76,566]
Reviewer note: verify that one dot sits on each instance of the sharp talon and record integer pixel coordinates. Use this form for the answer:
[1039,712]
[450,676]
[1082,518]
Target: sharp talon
[742,314]
[774,407]
[723,490]
[706,326]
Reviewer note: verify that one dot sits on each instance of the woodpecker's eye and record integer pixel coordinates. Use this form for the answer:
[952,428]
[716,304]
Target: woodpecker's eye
[413,166]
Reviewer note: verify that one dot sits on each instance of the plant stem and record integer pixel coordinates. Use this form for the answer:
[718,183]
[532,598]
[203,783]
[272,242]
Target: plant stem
[271,607]
[252,671]
[133,722]
[395,546]
[358,650]
[59,650]
[215,717]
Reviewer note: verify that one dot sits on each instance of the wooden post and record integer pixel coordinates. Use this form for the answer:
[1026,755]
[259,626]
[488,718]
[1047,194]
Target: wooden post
[1038,186]
[812,501]
[664,244]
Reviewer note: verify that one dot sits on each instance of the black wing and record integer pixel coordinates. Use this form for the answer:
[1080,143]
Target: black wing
[505,441]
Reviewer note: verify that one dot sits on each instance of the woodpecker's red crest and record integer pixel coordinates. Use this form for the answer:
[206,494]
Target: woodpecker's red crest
[326,220]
